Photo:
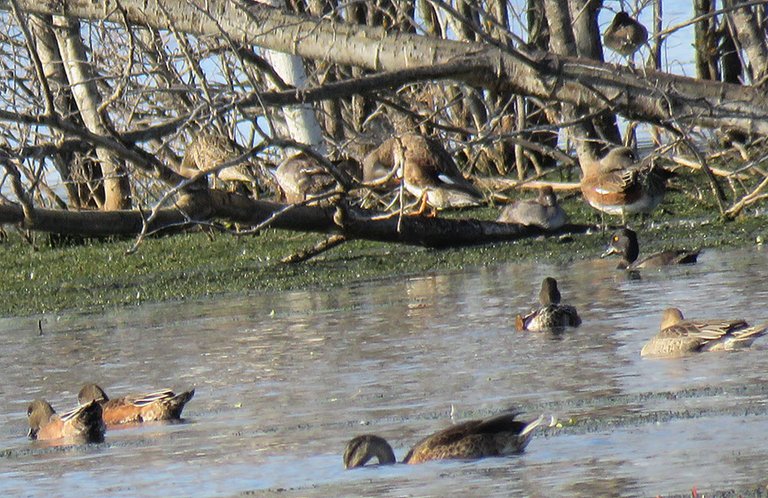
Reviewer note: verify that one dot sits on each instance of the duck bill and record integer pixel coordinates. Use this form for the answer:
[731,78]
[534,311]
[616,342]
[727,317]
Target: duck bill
[32,433]
[609,251]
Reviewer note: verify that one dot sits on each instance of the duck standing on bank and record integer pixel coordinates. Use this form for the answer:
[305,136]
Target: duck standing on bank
[302,178]
[427,170]
[618,185]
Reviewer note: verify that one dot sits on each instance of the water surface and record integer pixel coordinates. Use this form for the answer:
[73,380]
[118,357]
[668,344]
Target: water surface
[284,380]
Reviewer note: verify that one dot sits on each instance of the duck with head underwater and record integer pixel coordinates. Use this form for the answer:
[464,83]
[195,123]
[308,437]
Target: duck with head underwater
[500,435]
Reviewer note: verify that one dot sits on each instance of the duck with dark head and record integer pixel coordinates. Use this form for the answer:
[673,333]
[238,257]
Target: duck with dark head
[500,435]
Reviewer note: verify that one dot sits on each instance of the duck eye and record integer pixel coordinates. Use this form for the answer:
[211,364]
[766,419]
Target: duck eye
[616,238]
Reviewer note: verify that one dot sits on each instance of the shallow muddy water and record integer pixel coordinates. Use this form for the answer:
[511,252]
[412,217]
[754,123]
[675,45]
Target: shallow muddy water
[284,380]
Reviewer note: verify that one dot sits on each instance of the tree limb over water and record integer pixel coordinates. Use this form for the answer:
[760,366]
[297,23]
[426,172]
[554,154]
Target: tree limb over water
[201,208]
[654,97]
[160,74]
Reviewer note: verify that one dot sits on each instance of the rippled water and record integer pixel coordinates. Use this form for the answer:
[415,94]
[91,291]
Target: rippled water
[284,380]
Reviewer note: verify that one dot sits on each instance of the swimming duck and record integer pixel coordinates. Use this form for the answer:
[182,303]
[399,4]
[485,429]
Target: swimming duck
[678,336]
[301,177]
[500,435]
[624,242]
[551,315]
[82,425]
[160,405]
[427,169]
[617,185]
[625,35]
[542,212]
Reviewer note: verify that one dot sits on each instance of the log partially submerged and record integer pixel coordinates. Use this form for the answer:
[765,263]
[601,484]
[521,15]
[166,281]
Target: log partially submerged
[351,222]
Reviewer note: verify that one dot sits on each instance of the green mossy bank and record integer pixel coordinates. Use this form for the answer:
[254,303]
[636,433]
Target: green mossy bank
[97,274]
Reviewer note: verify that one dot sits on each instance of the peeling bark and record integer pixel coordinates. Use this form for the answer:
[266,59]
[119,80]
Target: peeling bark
[653,97]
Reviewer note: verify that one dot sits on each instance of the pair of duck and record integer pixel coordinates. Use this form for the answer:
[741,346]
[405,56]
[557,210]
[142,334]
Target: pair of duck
[552,315]
[676,337]
[422,164]
[96,411]
[616,184]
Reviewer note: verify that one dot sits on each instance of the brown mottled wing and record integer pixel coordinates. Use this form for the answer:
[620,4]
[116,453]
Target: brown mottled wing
[701,331]
[611,187]
[475,433]
[427,164]
[208,150]
[422,450]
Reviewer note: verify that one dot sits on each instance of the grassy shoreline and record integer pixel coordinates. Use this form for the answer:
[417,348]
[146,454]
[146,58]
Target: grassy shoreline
[99,275]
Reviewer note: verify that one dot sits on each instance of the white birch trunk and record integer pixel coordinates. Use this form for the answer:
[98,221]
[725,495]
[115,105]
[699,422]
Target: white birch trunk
[301,120]
[88,99]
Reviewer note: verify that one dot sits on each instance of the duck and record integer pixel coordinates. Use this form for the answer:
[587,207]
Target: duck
[551,316]
[543,212]
[500,435]
[624,243]
[618,185]
[301,178]
[207,151]
[80,425]
[625,35]
[160,405]
[426,169]
[678,336]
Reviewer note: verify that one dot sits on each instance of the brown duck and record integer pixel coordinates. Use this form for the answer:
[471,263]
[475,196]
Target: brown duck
[500,435]
[160,405]
[426,168]
[81,425]
[625,35]
[301,178]
[679,337]
[618,185]
[207,151]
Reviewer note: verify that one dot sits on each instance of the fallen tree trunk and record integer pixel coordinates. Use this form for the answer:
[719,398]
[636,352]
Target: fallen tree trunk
[353,223]
[654,97]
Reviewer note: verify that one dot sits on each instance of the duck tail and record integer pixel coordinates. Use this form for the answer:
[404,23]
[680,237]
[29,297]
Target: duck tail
[87,420]
[746,336]
[177,403]
[519,323]
[538,422]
